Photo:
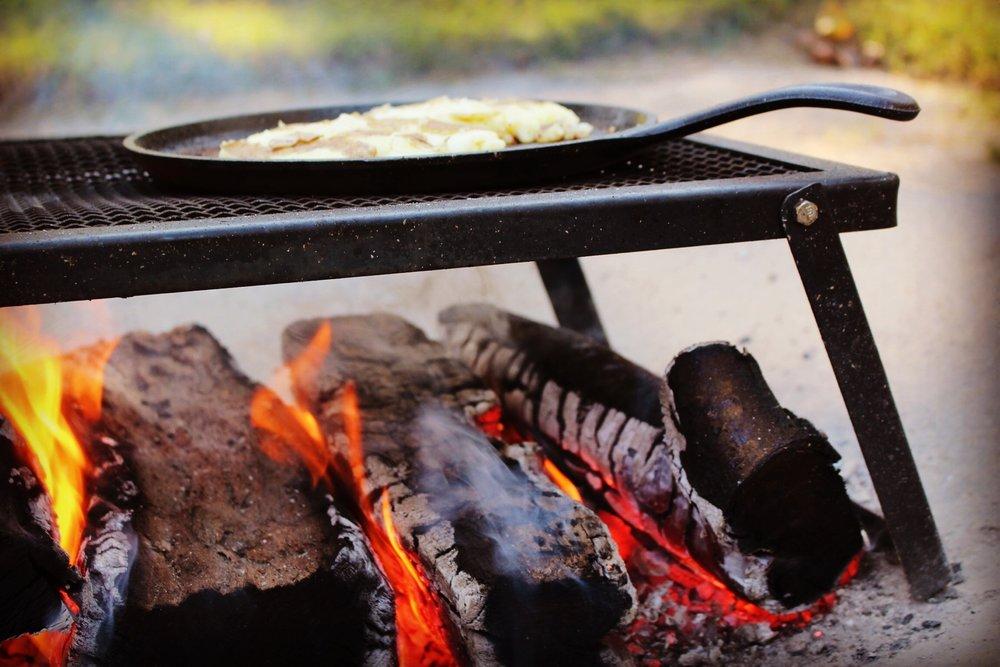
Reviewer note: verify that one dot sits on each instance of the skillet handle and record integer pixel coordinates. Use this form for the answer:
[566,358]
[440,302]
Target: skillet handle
[871,100]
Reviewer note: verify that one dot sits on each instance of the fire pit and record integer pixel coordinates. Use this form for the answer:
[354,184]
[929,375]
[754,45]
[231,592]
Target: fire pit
[79,220]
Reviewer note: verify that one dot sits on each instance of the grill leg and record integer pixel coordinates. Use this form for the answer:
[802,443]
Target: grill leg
[833,296]
[570,296]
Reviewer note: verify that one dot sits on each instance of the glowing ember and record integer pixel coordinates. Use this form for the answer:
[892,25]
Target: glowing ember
[696,590]
[292,431]
[490,423]
[620,533]
[47,399]
[43,649]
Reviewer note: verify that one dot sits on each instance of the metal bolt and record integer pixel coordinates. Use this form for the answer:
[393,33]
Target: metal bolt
[806,212]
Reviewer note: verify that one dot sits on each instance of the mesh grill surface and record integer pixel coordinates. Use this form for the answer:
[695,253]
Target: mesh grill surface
[93,182]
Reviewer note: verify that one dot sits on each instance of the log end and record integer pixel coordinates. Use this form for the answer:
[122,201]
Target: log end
[770,472]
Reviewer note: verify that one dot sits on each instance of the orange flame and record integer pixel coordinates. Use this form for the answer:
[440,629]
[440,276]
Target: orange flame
[561,480]
[37,391]
[421,625]
[292,431]
[48,399]
[304,368]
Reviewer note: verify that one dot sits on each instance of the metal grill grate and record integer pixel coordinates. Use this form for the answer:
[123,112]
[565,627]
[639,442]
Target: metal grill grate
[93,182]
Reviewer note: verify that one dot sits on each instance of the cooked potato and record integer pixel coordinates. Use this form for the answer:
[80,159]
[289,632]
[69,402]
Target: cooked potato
[438,126]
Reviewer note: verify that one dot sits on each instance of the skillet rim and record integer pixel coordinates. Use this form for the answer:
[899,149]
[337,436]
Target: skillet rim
[133,142]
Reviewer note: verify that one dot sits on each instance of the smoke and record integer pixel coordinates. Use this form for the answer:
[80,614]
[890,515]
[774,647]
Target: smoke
[489,500]
[550,592]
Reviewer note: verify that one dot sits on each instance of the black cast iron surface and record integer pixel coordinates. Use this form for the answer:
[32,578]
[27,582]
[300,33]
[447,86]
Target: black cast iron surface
[79,219]
[186,155]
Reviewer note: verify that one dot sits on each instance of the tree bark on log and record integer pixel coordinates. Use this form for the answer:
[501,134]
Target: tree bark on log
[33,568]
[771,472]
[234,560]
[602,415]
[527,575]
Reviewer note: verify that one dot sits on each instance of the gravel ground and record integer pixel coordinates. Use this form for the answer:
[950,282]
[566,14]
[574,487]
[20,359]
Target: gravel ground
[929,286]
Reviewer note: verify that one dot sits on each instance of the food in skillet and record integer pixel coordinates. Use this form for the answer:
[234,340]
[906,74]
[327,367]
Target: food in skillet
[438,126]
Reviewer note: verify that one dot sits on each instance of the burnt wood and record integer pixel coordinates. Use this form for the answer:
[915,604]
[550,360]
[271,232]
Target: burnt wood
[599,415]
[108,550]
[235,562]
[33,568]
[787,527]
[527,575]
[771,472]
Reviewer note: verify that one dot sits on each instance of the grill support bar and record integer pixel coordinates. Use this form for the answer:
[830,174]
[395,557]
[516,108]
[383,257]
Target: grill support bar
[850,346]
[570,296]
[836,306]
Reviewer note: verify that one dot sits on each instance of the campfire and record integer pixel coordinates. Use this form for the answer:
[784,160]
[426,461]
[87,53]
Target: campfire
[515,494]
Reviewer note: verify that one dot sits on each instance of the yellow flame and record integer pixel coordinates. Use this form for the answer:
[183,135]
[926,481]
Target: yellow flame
[31,397]
[561,480]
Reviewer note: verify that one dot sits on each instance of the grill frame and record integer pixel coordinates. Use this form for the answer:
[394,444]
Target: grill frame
[551,225]
[339,237]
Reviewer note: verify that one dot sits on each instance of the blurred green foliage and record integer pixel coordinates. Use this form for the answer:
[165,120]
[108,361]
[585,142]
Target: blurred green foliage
[414,35]
[88,38]
[955,39]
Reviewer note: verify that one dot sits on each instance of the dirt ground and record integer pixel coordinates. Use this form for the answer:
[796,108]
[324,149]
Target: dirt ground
[929,287]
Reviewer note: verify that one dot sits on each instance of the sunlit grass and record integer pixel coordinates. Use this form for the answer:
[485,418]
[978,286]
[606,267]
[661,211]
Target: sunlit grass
[240,29]
[29,48]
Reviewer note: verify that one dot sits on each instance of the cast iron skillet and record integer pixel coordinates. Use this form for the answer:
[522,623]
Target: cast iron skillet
[184,156]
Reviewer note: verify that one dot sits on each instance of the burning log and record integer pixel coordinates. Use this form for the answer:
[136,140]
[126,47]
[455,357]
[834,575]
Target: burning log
[108,550]
[232,560]
[33,568]
[771,472]
[602,415]
[525,573]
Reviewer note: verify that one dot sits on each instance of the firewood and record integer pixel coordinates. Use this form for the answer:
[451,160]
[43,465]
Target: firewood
[33,568]
[601,416]
[526,574]
[771,472]
[234,560]
[108,550]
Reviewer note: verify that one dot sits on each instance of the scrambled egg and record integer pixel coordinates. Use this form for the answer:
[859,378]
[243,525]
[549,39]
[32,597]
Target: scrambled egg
[438,126]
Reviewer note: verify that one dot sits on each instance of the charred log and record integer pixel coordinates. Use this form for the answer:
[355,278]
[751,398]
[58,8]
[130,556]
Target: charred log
[527,575]
[771,472]
[600,415]
[233,559]
[33,568]
[108,550]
